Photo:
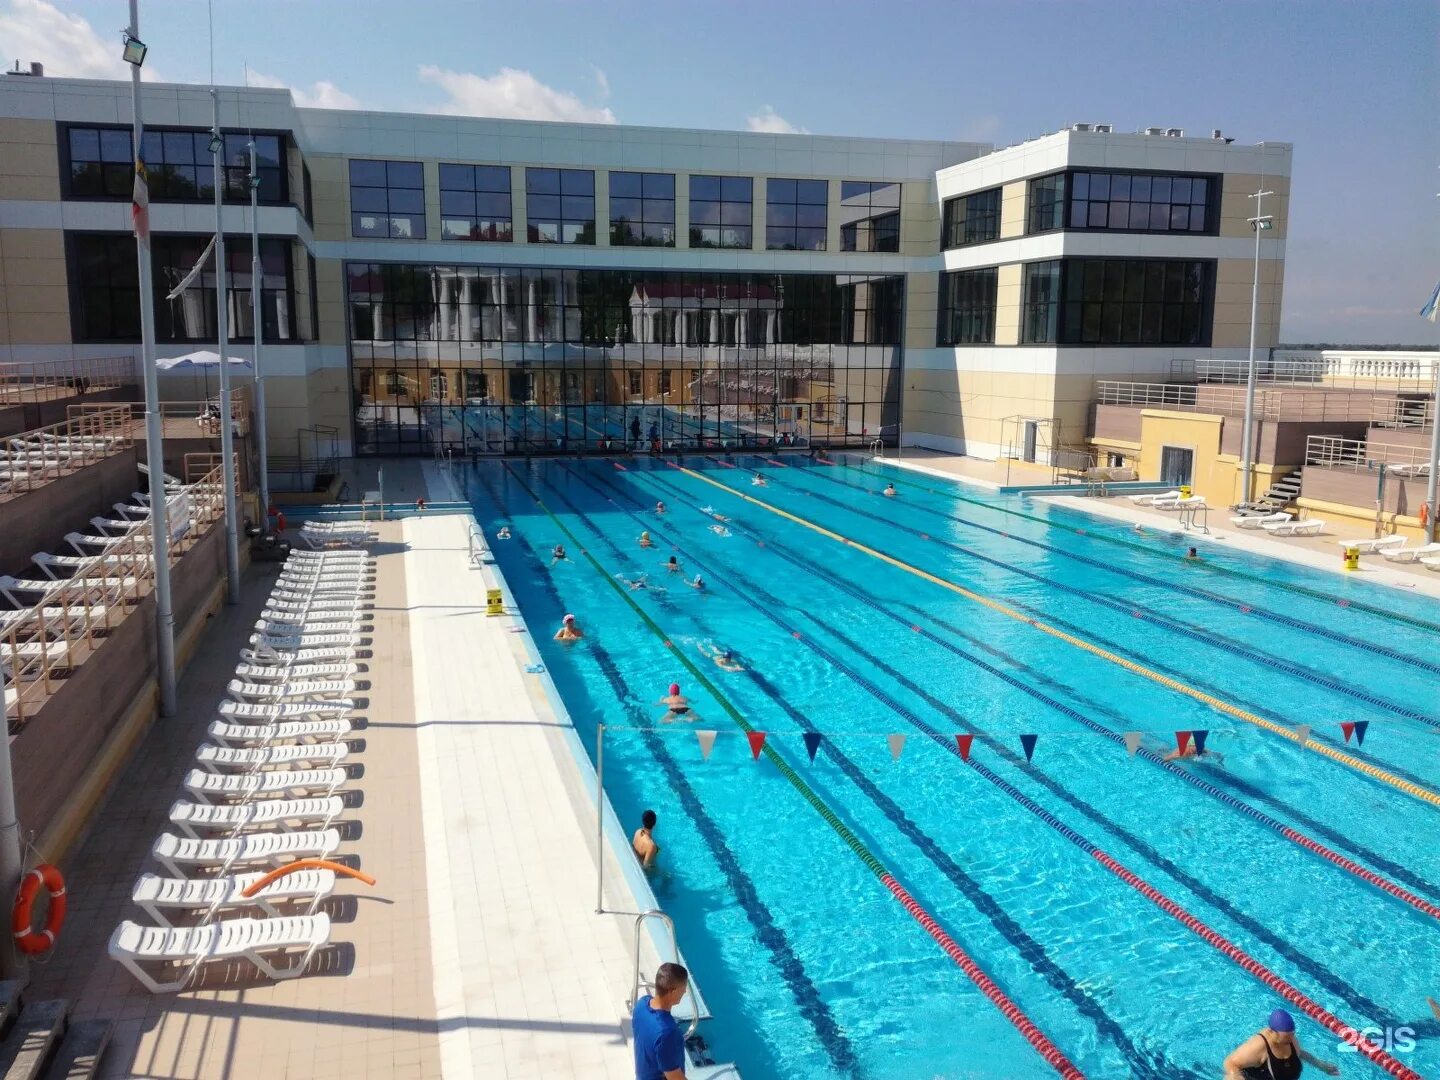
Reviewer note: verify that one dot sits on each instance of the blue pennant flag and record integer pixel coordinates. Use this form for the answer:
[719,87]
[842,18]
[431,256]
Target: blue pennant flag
[1361,726]
[1028,742]
[1430,310]
[1200,737]
[812,743]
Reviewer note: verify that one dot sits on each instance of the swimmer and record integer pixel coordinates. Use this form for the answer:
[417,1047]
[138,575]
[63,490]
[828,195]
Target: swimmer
[557,554]
[660,507]
[640,581]
[504,533]
[1192,554]
[673,565]
[569,630]
[725,659]
[643,842]
[889,490]
[420,504]
[1192,751]
[1273,1053]
[678,705]
[759,481]
[698,583]
[1138,528]
[719,530]
[645,540]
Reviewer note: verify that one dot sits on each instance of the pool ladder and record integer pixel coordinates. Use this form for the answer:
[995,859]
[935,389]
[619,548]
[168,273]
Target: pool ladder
[638,983]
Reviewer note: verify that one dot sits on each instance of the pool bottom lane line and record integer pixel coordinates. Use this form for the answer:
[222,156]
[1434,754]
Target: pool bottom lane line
[1051,1053]
[1422,793]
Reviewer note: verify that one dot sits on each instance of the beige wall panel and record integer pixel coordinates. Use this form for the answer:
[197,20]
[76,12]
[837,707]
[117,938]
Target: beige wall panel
[31,164]
[1012,210]
[919,220]
[39,328]
[1007,304]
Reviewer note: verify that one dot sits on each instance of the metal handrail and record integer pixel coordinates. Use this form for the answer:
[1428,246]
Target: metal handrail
[26,382]
[637,982]
[476,543]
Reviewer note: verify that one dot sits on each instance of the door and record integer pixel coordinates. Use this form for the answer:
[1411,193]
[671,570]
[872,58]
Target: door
[1177,466]
[1032,432]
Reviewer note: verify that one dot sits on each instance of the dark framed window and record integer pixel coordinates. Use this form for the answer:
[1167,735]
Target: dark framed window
[967,307]
[105,298]
[1047,204]
[722,211]
[560,206]
[475,203]
[1119,301]
[1142,202]
[178,164]
[972,219]
[387,199]
[869,215]
[795,214]
[642,209]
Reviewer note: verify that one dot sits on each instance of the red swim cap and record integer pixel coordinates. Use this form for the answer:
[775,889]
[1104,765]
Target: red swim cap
[674,689]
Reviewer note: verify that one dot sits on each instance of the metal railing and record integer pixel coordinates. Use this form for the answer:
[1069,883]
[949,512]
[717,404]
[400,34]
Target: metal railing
[1360,371]
[1271,403]
[1360,455]
[638,983]
[30,383]
[39,644]
[204,413]
[35,458]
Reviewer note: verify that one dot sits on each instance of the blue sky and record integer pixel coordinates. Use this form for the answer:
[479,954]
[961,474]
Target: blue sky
[1353,85]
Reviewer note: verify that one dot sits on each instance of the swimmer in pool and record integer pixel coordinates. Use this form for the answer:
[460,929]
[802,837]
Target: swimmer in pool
[1192,554]
[1193,752]
[719,530]
[504,533]
[725,659]
[660,507]
[673,565]
[645,540]
[698,583]
[759,481]
[678,705]
[643,842]
[1274,1053]
[569,630]
[558,554]
[889,490]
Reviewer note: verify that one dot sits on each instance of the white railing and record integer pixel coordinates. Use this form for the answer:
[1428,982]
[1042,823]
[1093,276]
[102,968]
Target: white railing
[479,554]
[1359,455]
[28,383]
[1271,403]
[34,458]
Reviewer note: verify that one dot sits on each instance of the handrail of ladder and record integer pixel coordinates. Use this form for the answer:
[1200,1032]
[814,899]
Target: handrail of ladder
[877,446]
[656,913]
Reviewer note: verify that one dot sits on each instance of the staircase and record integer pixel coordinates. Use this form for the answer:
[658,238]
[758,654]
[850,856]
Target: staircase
[1281,494]
[38,1041]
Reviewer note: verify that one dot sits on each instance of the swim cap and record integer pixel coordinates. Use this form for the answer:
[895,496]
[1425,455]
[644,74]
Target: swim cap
[569,618]
[1280,1020]
[675,692]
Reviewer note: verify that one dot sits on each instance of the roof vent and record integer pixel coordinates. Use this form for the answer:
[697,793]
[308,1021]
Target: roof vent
[37,69]
[1082,127]
[1105,129]
[1175,133]
[1153,131]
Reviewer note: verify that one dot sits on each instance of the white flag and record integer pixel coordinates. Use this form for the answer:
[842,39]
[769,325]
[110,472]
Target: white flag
[897,745]
[707,743]
[1303,732]
[1132,741]
[194,271]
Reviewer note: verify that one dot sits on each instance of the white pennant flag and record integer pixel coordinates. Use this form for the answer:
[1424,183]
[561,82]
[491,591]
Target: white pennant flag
[1132,741]
[1303,732]
[897,745]
[194,271]
[707,743]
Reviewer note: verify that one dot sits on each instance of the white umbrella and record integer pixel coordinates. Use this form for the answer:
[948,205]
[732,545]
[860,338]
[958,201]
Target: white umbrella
[201,359]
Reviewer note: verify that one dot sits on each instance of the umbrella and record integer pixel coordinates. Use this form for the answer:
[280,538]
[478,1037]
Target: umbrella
[201,359]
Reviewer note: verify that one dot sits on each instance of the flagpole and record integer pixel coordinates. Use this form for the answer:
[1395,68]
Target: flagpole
[154,425]
[1430,488]
[1247,437]
[222,336]
[257,278]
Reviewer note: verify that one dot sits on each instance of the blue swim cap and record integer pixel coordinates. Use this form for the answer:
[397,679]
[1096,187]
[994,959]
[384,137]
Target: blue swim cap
[1280,1020]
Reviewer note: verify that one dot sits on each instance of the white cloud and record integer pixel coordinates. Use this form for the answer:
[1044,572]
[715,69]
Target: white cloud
[511,94]
[768,120]
[602,82]
[67,45]
[321,95]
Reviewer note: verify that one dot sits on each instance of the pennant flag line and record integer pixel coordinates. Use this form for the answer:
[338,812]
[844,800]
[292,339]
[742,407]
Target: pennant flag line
[964,741]
[707,743]
[812,743]
[1132,741]
[757,743]
[1182,741]
[1361,726]
[897,745]
[1200,737]
[1348,727]
[1028,742]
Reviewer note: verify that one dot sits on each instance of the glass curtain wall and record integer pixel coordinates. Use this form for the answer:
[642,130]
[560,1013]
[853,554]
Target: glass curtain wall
[501,359]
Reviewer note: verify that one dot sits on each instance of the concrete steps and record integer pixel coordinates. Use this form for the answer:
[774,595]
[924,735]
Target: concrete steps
[26,1050]
[38,1042]
[78,1056]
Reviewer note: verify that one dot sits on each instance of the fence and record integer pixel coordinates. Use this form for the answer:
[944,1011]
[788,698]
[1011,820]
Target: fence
[1271,403]
[203,413]
[30,383]
[1360,371]
[34,458]
[1359,455]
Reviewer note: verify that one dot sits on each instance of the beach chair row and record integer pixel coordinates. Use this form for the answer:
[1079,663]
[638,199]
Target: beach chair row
[264,792]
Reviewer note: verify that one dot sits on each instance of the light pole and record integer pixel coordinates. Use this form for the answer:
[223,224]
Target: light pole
[1259,223]
[257,276]
[222,338]
[1430,486]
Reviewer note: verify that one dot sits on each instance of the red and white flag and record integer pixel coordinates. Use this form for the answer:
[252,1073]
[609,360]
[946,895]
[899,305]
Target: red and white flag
[140,203]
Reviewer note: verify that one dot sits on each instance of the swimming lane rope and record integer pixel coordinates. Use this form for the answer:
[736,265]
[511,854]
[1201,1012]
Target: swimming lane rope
[1422,793]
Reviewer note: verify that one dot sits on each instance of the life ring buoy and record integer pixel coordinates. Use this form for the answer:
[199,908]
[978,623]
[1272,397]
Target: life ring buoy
[27,939]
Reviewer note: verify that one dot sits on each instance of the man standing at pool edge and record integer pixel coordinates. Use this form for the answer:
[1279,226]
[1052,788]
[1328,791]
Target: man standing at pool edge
[659,1045]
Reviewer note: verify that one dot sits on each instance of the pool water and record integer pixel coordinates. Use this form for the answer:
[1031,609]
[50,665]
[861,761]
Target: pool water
[809,963]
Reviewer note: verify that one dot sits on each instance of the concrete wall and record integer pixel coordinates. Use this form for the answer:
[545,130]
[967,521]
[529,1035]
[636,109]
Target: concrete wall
[39,520]
[1346,498]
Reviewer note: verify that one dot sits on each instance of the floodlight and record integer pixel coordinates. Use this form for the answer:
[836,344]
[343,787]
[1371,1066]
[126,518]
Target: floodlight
[135,50]
[216,142]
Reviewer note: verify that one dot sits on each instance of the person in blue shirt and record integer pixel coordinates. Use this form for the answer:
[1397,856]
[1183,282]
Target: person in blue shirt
[659,1043]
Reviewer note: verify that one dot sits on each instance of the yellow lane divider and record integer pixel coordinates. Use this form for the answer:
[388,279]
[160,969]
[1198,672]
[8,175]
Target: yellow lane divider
[1400,783]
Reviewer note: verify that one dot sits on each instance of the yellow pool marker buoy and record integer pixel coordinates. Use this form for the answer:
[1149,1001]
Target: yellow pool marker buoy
[1400,783]
[494,602]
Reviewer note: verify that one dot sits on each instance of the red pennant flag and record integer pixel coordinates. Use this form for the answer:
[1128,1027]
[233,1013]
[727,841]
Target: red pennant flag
[757,743]
[1182,741]
[1028,742]
[964,742]
[1348,727]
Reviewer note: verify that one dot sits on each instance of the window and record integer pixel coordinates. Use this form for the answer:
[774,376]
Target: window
[869,216]
[637,383]
[972,219]
[105,287]
[475,203]
[1047,203]
[477,386]
[560,206]
[665,383]
[721,211]
[642,209]
[387,199]
[1177,465]
[795,214]
[1119,301]
[967,307]
[178,164]
[1140,202]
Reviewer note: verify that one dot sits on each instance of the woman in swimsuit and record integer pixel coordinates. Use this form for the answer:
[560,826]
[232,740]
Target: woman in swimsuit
[1273,1053]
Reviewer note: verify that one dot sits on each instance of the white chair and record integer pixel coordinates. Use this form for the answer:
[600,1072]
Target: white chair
[210,896]
[307,641]
[1399,554]
[292,783]
[249,759]
[1432,563]
[1307,527]
[115,526]
[258,940]
[248,849]
[1259,521]
[290,690]
[270,672]
[289,627]
[195,818]
[1150,500]
[1370,545]
[278,661]
[321,607]
[81,543]
[296,731]
[274,712]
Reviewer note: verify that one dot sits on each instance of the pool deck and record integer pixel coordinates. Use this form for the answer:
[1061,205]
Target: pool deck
[478,951]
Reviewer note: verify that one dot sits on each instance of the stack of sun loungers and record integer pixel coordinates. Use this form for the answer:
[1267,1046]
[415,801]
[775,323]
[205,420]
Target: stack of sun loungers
[1427,555]
[43,456]
[263,792]
[324,535]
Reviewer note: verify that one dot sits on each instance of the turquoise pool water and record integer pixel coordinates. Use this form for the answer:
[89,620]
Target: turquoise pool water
[811,966]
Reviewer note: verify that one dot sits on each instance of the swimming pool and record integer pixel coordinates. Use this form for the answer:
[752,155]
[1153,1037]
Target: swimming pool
[933,916]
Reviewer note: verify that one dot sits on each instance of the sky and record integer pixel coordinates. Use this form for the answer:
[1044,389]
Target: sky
[1353,85]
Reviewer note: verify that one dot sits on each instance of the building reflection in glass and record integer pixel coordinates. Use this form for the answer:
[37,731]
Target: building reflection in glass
[495,359]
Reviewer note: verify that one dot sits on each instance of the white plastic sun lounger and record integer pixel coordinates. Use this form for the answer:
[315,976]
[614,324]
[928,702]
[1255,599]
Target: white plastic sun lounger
[155,894]
[290,731]
[289,626]
[1370,545]
[46,562]
[290,690]
[134,513]
[48,586]
[249,849]
[1308,527]
[81,543]
[1259,521]
[116,526]
[194,818]
[1400,554]
[274,712]
[277,663]
[356,573]
[255,672]
[1150,500]
[257,940]
[288,598]
[327,606]
[293,784]
[306,642]
[258,758]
